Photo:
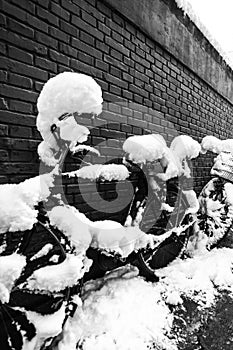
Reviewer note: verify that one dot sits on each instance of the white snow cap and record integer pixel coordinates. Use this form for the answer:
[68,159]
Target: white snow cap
[67,92]
[17,202]
[145,148]
[107,172]
[215,145]
[185,147]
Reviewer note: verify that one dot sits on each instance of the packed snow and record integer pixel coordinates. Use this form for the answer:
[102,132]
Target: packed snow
[11,267]
[107,172]
[122,311]
[67,92]
[145,148]
[66,95]
[18,201]
[215,145]
[55,278]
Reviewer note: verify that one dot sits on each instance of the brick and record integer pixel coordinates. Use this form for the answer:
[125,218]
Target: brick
[20,106]
[46,40]
[116,72]
[12,10]
[24,95]
[117,46]
[20,131]
[20,81]
[68,28]
[58,57]
[88,39]
[117,55]
[70,6]
[25,4]
[19,67]
[16,118]
[103,28]
[60,12]
[37,23]
[4,156]
[78,22]
[22,156]
[139,123]
[86,48]
[20,28]
[3,130]
[3,20]
[24,43]
[20,55]
[19,168]
[113,80]
[58,34]
[3,76]
[46,64]
[88,18]
[3,103]
[85,58]
[101,65]
[85,68]
[44,3]
[47,16]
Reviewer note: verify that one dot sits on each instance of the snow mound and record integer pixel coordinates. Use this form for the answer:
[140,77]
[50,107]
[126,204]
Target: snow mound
[10,269]
[55,278]
[215,145]
[73,224]
[67,92]
[17,202]
[107,172]
[145,148]
[113,237]
[185,147]
[120,312]
[200,277]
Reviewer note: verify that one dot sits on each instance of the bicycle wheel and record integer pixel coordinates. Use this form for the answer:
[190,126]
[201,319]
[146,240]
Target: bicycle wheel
[215,215]
[172,246]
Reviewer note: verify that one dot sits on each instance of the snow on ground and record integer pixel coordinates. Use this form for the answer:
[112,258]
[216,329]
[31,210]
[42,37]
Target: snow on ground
[122,311]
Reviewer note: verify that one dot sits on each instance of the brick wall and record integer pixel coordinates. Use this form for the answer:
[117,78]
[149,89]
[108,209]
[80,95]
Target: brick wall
[145,88]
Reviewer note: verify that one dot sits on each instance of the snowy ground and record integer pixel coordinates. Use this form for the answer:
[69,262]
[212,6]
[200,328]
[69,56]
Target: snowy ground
[124,312]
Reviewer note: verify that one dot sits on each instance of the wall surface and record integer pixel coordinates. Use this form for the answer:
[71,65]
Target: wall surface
[156,71]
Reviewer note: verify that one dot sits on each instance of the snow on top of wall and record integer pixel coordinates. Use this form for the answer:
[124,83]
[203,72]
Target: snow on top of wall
[186,7]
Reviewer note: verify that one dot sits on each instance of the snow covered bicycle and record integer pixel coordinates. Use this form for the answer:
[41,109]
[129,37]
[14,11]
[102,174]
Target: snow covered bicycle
[215,214]
[162,205]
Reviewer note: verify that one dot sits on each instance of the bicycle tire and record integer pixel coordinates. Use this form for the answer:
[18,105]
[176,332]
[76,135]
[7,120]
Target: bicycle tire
[172,247]
[215,227]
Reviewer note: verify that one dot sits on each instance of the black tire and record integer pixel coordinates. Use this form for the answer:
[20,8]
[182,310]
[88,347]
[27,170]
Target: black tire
[172,247]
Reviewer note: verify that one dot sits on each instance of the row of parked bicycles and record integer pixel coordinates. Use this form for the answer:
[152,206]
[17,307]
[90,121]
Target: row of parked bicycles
[164,211]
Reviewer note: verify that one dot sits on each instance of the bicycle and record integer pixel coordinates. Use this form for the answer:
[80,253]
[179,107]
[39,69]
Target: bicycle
[166,214]
[215,216]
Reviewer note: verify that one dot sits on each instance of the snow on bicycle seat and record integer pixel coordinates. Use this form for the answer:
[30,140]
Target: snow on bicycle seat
[145,148]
